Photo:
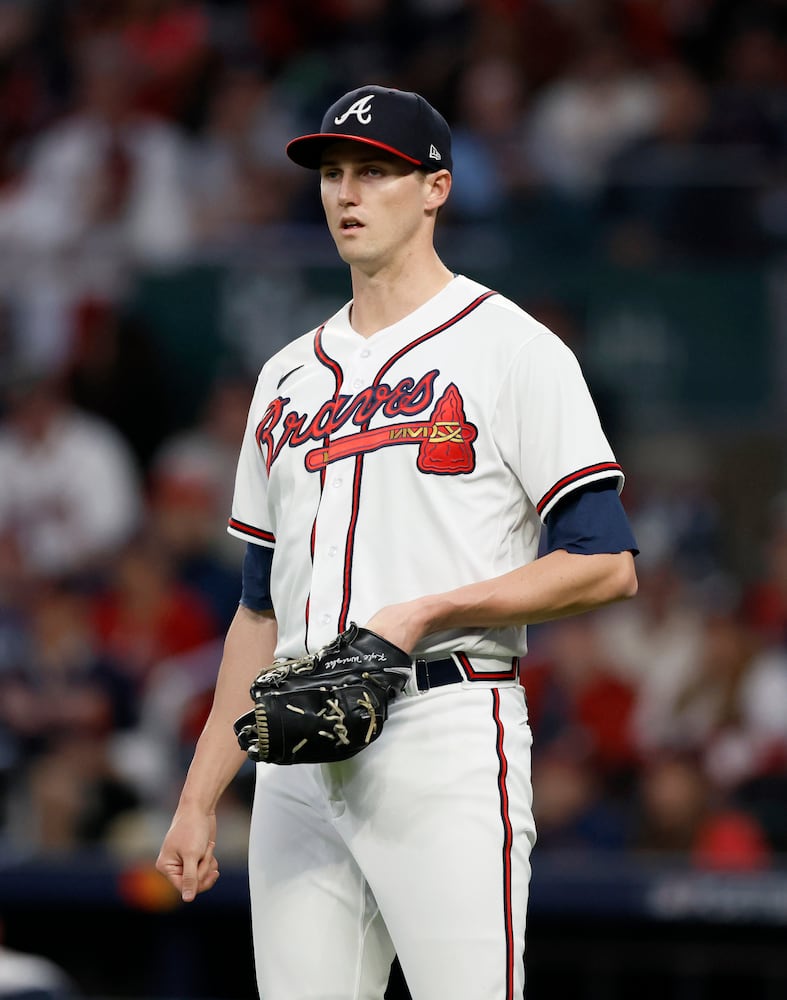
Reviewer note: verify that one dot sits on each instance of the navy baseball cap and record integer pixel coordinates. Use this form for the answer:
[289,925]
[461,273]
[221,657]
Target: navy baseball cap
[396,121]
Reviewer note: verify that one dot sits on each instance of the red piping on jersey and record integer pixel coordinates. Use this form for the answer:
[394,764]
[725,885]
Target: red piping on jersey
[248,529]
[482,675]
[356,509]
[431,333]
[325,359]
[348,554]
[574,477]
[508,839]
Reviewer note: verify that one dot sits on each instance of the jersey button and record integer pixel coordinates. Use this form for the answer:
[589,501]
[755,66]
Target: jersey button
[365,352]
[357,383]
[332,551]
[336,483]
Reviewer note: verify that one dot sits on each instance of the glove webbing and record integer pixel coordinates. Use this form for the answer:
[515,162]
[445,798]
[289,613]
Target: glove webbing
[339,733]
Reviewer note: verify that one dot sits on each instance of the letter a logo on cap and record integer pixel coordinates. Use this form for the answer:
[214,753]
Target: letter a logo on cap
[360,109]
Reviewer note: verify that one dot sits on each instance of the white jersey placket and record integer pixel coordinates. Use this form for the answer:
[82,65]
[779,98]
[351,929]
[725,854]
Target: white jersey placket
[339,508]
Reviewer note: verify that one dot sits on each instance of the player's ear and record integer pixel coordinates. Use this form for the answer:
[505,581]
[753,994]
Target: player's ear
[438,188]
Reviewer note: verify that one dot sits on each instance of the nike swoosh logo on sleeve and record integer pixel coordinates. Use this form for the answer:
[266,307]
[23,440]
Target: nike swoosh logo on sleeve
[284,378]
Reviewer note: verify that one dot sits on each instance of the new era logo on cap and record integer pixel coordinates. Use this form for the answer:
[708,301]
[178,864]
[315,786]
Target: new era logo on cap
[396,121]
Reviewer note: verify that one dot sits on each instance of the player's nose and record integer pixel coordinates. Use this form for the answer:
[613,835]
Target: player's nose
[348,190]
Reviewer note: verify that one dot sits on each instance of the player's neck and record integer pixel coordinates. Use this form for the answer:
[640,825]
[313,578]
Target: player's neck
[388,296]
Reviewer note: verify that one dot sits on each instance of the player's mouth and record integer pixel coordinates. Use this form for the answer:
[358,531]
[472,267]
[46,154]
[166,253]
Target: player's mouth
[346,225]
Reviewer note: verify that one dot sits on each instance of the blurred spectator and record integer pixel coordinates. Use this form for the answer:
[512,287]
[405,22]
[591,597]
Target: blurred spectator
[754,741]
[103,193]
[539,35]
[580,120]
[578,702]
[145,615]
[60,705]
[732,840]
[747,126]
[765,597]
[361,41]
[192,475]
[654,647]
[651,28]
[681,814]
[676,512]
[185,519]
[731,710]
[73,795]
[175,702]
[115,362]
[61,680]
[69,485]
[184,515]
[240,177]
[154,755]
[693,181]
[170,42]
[24,102]
[652,181]
[321,49]
[489,166]
[749,100]
[572,811]
[14,649]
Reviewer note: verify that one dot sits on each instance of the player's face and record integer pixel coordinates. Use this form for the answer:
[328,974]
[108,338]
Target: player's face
[374,204]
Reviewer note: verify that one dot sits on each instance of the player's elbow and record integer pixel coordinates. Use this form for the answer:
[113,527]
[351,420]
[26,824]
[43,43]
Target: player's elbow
[622,580]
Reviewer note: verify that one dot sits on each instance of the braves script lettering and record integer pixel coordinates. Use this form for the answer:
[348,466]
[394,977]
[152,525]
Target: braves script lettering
[279,428]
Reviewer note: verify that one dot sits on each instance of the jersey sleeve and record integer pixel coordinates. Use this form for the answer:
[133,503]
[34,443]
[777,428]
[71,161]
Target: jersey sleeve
[559,444]
[249,519]
[590,521]
[257,565]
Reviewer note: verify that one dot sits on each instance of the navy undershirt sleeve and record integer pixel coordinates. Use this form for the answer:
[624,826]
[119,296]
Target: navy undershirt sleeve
[256,592]
[589,521]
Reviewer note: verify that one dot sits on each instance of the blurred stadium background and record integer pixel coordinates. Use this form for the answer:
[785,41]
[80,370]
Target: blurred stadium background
[621,172]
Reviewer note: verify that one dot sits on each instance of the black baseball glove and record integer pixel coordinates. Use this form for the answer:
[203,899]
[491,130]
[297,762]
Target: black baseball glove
[326,706]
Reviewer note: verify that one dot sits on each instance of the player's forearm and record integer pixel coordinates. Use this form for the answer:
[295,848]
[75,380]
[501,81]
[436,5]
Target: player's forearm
[249,646]
[554,586]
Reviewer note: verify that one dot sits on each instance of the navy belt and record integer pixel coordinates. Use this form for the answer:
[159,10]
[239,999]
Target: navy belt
[436,673]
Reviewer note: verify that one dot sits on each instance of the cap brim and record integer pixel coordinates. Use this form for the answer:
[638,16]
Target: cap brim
[307,150]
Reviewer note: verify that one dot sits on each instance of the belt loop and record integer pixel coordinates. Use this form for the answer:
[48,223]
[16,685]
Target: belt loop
[421,675]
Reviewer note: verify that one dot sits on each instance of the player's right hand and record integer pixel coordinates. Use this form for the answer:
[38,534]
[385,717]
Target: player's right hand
[401,624]
[186,857]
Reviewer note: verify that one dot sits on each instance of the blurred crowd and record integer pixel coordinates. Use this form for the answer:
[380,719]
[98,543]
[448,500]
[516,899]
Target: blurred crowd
[138,136]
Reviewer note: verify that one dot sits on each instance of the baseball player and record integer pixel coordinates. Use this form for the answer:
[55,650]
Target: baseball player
[399,466]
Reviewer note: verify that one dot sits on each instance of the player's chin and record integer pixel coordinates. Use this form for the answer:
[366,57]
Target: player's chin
[351,252]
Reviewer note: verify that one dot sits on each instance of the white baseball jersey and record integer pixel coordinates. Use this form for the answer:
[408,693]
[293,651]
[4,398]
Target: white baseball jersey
[412,462]
[381,469]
